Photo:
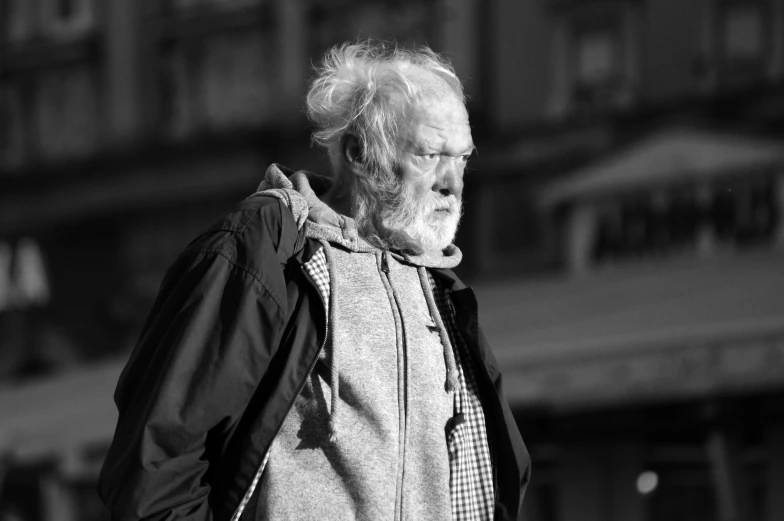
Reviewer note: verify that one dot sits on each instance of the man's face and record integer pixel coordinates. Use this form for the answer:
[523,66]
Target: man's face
[433,147]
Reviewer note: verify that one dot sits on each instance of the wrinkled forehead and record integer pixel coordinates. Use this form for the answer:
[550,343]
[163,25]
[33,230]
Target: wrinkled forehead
[436,118]
[433,86]
[436,123]
[428,88]
[438,111]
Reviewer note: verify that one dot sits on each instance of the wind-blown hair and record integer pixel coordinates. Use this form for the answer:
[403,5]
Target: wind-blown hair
[359,90]
[355,90]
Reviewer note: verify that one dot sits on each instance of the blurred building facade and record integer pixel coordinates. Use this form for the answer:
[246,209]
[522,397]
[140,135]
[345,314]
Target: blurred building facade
[623,222]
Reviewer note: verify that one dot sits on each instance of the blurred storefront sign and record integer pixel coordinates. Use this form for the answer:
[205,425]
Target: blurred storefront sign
[676,192]
[23,276]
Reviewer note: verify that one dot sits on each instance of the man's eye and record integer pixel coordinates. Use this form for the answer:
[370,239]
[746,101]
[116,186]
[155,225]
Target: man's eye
[431,157]
[464,158]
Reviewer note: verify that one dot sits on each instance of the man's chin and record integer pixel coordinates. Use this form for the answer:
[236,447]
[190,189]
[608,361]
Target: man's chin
[431,234]
[434,241]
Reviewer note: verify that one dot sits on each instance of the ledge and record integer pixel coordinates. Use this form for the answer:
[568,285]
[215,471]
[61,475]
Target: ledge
[45,54]
[201,23]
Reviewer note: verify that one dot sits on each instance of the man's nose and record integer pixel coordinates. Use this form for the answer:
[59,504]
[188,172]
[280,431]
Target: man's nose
[450,178]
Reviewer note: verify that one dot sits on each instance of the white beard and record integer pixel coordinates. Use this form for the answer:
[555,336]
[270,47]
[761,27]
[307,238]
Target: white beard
[429,223]
[389,216]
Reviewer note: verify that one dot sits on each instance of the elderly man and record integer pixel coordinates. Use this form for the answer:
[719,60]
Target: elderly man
[311,355]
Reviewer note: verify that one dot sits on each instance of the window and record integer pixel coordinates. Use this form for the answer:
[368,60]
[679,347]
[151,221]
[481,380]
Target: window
[12,128]
[66,8]
[179,100]
[599,76]
[67,19]
[217,68]
[25,20]
[220,82]
[597,56]
[66,112]
[49,95]
[235,80]
[18,20]
[744,36]
[596,52]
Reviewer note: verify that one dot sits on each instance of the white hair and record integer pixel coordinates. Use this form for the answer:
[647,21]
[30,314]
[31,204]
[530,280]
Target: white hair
[356,89]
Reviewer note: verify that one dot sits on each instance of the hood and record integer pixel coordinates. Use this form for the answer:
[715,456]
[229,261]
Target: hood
[300,191]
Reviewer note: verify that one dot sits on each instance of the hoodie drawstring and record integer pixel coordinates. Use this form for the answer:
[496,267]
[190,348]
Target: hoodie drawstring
[449,355]
[333,313]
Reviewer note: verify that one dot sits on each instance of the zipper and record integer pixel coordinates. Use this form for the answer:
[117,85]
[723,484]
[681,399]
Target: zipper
[402,450]
[249,492]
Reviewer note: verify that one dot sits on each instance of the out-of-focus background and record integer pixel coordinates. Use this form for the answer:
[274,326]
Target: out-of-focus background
[623,229]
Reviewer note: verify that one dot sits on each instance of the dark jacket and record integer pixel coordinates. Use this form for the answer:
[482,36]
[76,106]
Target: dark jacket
[232,336]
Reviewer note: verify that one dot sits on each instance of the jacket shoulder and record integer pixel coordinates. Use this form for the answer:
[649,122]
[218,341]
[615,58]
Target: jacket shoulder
[252,228]
[256,238]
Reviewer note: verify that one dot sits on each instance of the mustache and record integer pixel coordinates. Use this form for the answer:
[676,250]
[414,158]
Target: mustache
[436,202]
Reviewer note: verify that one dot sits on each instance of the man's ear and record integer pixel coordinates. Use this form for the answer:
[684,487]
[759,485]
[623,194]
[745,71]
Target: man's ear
[352,154]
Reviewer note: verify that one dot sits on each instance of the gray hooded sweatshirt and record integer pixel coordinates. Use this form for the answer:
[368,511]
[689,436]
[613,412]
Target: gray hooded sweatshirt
[378,449]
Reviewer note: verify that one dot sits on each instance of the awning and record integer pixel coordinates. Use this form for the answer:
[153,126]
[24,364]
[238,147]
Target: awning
[672,156]
[107,192]
[683,329]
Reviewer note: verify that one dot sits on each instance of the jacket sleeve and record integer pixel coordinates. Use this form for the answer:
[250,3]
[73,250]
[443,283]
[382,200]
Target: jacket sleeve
[518,447]
[207,342]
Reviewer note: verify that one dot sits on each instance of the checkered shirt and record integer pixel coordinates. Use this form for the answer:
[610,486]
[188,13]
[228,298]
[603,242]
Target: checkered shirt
[318,271]
[471,483]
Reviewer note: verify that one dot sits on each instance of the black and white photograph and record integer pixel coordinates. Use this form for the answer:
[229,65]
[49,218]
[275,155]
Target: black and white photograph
[387,260]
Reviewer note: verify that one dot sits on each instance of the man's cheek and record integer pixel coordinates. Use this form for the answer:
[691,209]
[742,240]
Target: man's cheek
[421,170]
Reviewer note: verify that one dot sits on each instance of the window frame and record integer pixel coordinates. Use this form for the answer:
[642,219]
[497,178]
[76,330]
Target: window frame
[613,27]
[734,67]
[187,33]
[573,99]
[82,21]
[18,110]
